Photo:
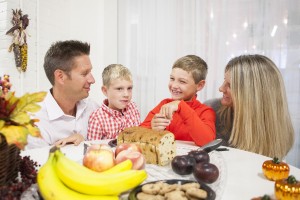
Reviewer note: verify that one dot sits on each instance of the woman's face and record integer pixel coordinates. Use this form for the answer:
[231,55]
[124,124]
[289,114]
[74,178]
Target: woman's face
[226,90]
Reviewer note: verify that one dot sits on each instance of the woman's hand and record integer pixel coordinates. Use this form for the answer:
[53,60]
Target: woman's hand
[75,138]
[159,122]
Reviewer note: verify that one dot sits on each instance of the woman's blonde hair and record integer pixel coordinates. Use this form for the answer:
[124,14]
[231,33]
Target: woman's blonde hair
[261,120]
[115,71]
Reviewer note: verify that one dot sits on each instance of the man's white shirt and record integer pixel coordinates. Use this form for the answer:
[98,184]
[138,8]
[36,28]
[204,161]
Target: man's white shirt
[54,124]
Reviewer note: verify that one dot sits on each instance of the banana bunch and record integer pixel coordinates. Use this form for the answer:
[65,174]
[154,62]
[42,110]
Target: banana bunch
[62,178]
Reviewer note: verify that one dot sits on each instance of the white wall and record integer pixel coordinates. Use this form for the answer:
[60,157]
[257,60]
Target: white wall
[55,20]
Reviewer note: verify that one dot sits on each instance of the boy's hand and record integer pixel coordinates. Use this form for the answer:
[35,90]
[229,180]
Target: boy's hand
[168,109]
[74,138]
[159,122]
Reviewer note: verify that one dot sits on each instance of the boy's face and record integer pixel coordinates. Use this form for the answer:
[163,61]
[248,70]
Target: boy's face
[119,93]
[182,85]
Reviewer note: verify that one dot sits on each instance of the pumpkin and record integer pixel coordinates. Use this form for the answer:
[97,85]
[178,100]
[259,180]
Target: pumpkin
[275,170]
[287,189]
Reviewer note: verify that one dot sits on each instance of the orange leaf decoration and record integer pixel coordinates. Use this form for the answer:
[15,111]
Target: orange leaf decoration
[15,121]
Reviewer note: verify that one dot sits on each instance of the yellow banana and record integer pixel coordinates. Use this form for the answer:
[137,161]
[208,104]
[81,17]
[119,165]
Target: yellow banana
[96,183]
[123,166]
[79,168]
[51,187]
[120,167]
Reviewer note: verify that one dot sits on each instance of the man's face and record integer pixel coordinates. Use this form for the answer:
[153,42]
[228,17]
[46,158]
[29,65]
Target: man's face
[78,83]
[119,93]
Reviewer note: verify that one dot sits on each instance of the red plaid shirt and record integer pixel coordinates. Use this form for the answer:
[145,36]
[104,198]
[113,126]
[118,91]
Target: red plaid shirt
[106,123]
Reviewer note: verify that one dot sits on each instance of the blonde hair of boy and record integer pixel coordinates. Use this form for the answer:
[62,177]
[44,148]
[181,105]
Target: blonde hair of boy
[261,119]
[192,64]
[115,71]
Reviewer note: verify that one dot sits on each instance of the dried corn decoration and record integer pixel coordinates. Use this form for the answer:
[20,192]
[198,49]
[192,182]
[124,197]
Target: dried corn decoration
[19,44]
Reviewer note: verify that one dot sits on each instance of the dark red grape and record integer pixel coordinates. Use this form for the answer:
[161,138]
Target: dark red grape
[183,165]
[206,172]
[199,155]
[28,174]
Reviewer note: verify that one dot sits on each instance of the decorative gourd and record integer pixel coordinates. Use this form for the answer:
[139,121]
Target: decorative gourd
[275,170]
[287,189]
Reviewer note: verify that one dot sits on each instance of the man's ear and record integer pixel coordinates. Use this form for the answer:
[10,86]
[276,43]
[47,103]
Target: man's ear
[59,76]
[200,85]
[104,90]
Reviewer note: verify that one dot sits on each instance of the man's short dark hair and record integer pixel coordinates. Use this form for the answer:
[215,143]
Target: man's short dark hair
[61,55]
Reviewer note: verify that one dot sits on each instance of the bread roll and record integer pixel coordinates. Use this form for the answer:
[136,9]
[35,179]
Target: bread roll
[158,147]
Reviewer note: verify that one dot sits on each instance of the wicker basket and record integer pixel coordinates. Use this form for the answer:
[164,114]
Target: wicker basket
[9,161]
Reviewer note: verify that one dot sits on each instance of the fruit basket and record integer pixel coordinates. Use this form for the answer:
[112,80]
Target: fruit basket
[16,123]
[17,173]
[9,161]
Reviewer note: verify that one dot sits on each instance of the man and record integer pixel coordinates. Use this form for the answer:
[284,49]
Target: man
[64,113]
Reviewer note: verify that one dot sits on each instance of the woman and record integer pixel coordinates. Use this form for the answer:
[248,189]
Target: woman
[253,113]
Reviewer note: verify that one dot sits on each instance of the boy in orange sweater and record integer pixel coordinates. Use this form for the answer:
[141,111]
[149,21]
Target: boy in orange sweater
[183,114]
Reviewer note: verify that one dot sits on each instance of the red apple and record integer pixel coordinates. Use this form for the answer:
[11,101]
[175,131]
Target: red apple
[129,146]
[98,147]
[99,157]
[137,158]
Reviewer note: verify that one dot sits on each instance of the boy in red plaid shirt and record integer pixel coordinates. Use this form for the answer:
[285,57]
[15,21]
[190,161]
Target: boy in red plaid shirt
[117,111]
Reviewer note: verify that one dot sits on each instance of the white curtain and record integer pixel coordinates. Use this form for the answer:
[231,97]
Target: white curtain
[152,34]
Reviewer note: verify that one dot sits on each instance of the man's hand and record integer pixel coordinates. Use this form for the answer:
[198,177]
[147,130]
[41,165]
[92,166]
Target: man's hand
[168,109]
[159,122]
[76,138]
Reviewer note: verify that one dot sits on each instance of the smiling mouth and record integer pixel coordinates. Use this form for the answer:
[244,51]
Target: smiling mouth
[176,92]
[226,98]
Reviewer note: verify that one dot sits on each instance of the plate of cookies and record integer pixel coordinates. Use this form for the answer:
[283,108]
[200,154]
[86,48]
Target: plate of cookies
[172,189]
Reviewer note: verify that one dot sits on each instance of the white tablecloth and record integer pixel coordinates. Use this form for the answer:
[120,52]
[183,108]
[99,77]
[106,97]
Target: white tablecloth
[240,177]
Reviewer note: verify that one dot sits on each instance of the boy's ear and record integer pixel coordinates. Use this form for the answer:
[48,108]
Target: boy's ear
[104,90]
[200,85]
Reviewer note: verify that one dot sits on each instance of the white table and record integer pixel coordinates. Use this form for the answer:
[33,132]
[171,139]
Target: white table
[245,177]
[241,171]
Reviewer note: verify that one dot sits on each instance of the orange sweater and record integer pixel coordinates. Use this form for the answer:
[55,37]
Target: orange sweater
[192,121]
